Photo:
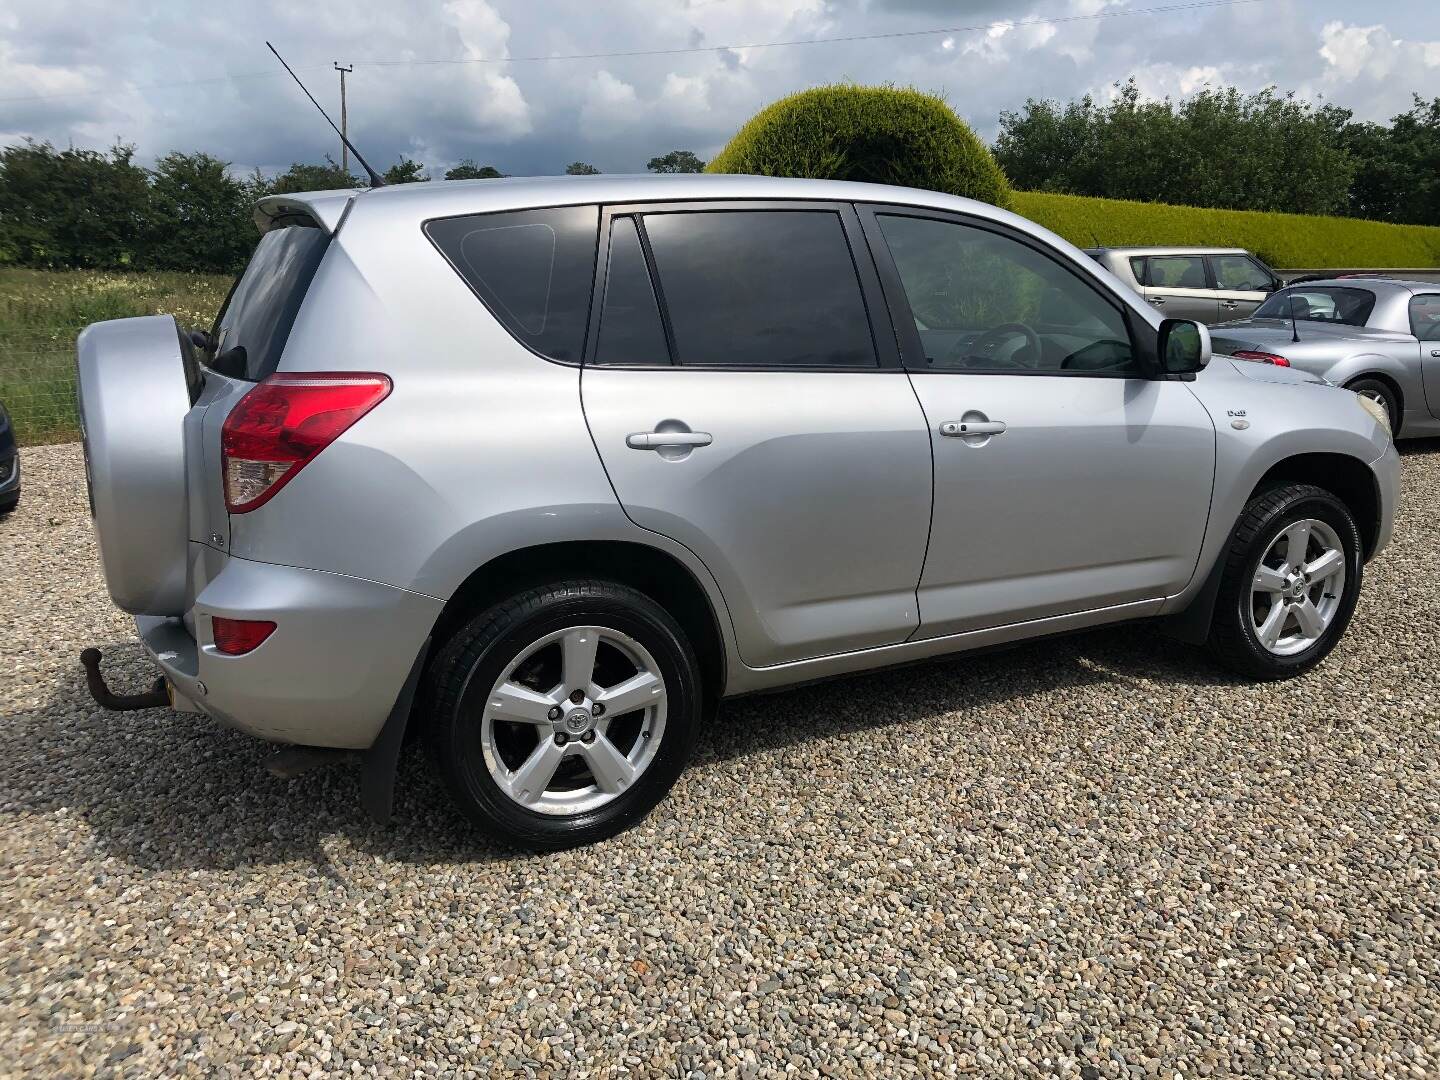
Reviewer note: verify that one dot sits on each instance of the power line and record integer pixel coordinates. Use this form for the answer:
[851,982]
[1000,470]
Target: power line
[1007,24]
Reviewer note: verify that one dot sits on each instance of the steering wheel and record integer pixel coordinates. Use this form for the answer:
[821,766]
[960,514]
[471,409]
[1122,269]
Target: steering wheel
[982,347]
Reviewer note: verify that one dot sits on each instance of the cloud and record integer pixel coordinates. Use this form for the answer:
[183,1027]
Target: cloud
[190,75]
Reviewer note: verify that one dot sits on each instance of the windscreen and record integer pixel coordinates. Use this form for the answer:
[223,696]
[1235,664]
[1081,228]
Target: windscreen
[262,307]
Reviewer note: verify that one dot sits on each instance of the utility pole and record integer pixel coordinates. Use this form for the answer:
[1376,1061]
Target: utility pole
[344,125]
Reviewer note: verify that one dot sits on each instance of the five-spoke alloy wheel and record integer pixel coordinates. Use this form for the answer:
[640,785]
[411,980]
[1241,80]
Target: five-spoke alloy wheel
[1289,582]
[563,714]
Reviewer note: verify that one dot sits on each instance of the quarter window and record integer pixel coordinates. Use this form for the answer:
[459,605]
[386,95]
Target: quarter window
[760,288]
[1425,316]
[985,302]
[533,269]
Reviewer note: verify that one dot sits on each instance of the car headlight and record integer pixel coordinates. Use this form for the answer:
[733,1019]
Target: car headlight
[1376,410]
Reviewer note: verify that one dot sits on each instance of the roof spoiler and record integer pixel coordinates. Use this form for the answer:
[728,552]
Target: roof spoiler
[326,208]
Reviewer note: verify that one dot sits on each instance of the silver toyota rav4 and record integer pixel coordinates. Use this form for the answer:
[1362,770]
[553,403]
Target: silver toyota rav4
[542,469]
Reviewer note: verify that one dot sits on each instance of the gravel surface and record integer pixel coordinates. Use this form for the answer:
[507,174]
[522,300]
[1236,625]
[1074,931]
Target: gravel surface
[1096,856]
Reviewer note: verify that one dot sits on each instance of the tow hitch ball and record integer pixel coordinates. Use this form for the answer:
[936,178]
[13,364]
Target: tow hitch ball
[154,698]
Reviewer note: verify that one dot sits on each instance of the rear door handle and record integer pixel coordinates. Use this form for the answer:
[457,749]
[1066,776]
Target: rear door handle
[1158,301]
[1435,352]
[654,440]
[1230,303]
[958,429]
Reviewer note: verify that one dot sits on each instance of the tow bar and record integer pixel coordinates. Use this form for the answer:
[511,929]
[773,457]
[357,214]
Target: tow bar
[155,698]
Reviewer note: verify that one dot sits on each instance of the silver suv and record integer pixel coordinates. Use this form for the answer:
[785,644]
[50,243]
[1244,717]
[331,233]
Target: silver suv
[1205,284]
[542,469]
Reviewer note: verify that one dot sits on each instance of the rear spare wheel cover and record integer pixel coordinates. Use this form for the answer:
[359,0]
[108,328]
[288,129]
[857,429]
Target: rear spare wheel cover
[133,398]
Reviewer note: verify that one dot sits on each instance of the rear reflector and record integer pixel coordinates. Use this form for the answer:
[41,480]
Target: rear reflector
[235,637]
[278,427]
[1261,357]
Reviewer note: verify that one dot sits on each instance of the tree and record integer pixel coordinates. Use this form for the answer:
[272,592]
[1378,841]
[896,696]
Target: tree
[468,170]
[581,168]
[676,161]
[1398,178]
[305,177]
[1220,148]
[406,171]
[201,216]
[75,208]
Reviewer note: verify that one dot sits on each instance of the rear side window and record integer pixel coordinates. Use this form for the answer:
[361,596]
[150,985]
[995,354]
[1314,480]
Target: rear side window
[532,268]
[760,288]
[630,328]
[262,306]
[1137,267]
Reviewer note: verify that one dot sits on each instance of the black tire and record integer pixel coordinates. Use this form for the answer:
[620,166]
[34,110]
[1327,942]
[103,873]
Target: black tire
[9,502]
[1233,639]
[1383,393]
[467,667]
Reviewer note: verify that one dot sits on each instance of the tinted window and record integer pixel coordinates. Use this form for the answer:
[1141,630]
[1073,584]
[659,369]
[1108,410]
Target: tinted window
[1238,273]
[1331,303]
[1137,267]
[1425,316]
[533,268]
[985,302]
[264,302]
[630,327]
[760,288]
[1177,272]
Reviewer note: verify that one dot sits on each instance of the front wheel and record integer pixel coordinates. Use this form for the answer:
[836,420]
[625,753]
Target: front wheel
[564,714]
[1291,578]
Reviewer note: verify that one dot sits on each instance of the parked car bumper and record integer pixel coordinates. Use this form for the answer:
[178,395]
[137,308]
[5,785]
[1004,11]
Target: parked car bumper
[9,462]
[328,674]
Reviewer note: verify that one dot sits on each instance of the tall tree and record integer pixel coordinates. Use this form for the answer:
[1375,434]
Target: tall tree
[676,161]
[468,170]
[201,215]
[581,168]
[302,176]
[1399,166]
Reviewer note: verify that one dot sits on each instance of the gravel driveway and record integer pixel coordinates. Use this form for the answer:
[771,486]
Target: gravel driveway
[1095,856]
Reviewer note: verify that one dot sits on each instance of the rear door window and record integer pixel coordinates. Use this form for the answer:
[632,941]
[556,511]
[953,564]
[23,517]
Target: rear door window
[1177,272]
[532,268]
[631,332]
[262,306]
[760,288]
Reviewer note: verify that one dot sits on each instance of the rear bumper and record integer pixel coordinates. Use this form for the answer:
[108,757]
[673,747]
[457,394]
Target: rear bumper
[327,676]
[1386,469]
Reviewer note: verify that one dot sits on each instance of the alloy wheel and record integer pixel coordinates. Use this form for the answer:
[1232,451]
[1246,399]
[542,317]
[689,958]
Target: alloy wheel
[1298,587]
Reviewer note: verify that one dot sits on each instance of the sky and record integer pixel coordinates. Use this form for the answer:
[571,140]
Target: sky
[193,75]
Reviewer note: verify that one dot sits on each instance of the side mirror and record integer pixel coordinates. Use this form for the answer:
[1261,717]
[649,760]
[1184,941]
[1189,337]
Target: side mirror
[1184,347]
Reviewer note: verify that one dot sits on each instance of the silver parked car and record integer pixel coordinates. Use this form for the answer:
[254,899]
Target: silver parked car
[1204,284]
[545,468]
[1378,337]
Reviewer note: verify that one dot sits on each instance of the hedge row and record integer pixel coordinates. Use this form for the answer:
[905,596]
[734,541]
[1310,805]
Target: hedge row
[1282,240]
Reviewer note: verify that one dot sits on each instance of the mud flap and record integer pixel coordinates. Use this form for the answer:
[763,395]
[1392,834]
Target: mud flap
[377,776]
[1192,625]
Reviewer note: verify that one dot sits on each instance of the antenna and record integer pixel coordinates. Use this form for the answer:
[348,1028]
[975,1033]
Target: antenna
[1294,328]
[376,180]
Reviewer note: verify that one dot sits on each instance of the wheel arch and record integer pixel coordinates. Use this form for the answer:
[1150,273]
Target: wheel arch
[1390,383]
[1347,478]
[658,574]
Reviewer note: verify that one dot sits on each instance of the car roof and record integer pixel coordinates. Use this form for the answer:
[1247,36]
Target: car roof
[1374,284]
[1170,250]
[451,198]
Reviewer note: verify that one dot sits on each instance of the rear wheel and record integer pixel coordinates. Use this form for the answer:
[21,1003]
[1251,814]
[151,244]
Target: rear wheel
[564,714]
[1291,579]
[1382,394]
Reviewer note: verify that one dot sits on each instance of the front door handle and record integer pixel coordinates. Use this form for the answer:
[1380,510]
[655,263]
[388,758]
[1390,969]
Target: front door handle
[1158,301]
[1229,303]
[1435,352]
[654,440]
[959,429]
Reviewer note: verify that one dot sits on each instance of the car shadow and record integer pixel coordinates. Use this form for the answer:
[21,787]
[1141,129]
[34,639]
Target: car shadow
[164,791]
[1418,447]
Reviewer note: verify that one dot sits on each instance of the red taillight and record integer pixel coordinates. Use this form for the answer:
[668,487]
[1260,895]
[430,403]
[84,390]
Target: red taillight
[1261,357]
[234,637]
[283,423]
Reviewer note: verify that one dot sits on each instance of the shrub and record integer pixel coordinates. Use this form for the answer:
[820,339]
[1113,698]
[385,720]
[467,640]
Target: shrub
[875,134]
[1297,241]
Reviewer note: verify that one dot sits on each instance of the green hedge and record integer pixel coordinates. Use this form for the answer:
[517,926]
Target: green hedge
[1282,240]
[873,134]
